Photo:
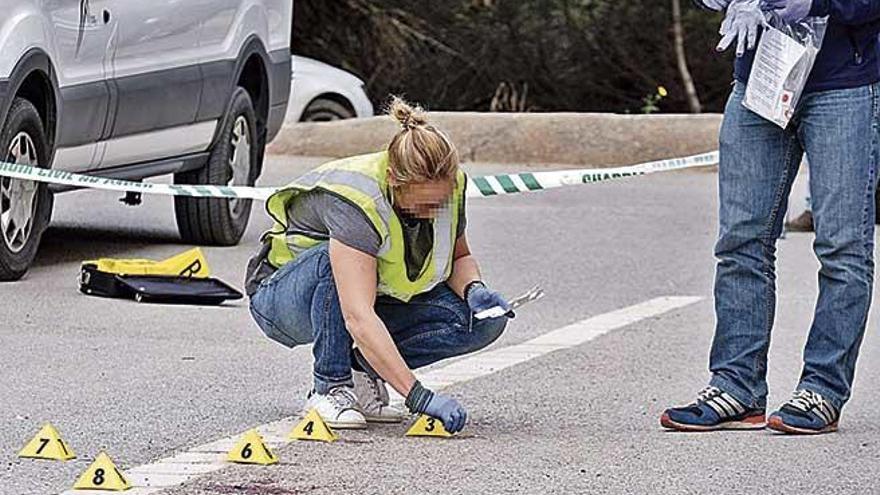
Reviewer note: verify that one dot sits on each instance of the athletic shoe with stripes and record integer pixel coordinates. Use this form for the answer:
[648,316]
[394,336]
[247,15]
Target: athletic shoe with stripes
[807,413]
[714,409]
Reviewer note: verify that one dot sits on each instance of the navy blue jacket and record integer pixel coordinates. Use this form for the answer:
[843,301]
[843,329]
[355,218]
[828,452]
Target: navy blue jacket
[850,54]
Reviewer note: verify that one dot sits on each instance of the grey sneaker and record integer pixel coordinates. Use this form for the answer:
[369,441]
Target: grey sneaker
[338,408]
[373,402]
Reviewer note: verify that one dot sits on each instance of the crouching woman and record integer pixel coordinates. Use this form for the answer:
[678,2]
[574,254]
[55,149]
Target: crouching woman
[369,261]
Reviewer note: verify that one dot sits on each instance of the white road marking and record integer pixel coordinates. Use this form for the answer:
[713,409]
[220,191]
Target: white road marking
[153,478]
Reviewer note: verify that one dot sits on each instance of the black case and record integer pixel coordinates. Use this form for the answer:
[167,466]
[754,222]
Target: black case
[166,290]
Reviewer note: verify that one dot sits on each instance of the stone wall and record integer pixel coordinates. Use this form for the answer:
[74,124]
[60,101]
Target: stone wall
[587,140]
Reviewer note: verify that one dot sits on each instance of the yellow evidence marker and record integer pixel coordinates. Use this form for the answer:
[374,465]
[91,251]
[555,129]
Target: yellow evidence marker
[47,444]
[313,427]
[426,426]
[102,475]
[251,449]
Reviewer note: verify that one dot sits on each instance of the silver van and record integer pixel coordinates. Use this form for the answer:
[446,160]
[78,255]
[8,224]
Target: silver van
[132,89]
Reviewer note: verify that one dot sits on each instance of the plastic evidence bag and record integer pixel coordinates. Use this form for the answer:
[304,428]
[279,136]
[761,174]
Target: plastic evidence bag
[783,63]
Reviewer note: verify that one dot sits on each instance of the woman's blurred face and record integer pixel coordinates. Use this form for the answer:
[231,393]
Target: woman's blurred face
[424,200]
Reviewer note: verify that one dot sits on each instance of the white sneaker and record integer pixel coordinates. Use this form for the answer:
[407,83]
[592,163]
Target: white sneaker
[372,399]
[339,408]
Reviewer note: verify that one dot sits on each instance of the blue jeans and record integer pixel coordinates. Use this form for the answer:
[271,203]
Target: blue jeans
[838,130]
[299,305]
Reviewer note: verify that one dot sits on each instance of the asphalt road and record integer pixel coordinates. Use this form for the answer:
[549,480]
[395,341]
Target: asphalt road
[144,382]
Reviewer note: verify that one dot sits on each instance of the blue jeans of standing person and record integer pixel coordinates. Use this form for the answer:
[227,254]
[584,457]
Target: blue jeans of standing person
[838,130]
[299,305]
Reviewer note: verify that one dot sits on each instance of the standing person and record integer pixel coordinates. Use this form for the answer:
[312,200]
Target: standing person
[836,124]
[371,252]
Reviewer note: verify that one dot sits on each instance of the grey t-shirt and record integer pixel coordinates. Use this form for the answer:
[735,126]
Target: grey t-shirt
[321,214]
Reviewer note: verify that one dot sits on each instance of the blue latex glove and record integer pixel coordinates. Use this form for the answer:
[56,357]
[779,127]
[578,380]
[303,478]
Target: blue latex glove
[420,400]
[480,298]
[448,411]
[743,22]
[790,11]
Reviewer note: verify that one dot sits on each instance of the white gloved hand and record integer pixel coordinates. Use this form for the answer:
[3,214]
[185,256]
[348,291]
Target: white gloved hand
[742,23]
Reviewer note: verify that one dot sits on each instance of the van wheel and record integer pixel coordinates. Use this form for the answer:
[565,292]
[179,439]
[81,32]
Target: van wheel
[25,206]
[326,110]
[233,162]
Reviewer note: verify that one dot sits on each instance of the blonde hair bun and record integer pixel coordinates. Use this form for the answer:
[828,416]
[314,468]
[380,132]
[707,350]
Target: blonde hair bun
[408,116]
[419,152]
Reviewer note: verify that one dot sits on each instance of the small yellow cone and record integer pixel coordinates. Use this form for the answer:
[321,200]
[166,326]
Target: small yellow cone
[47,444]
[426,426]
[102,475]
[313,427]
[251,449]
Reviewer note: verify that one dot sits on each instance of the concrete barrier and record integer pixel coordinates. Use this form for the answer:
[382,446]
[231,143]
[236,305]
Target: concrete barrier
[577,139]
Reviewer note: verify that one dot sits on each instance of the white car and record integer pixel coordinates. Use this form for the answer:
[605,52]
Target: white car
[322,93]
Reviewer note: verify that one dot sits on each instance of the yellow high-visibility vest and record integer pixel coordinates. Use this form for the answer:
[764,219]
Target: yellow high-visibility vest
[363,182]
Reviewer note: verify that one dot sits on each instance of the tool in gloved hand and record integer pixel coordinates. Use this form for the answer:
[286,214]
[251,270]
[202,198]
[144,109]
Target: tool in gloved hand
[181,279]
[481,298]
[532,295]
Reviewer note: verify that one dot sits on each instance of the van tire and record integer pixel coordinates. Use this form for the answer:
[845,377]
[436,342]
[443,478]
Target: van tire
[18,246]
[326,110]
[222,222]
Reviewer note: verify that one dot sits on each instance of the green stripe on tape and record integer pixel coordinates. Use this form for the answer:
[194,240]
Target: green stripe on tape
[179,189]
[507,184]
[531,182]
[484,186]
[227,191]
[204,191]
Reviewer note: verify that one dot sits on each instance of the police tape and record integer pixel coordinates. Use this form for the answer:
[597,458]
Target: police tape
[60,177]
[493,185]
[483,186]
